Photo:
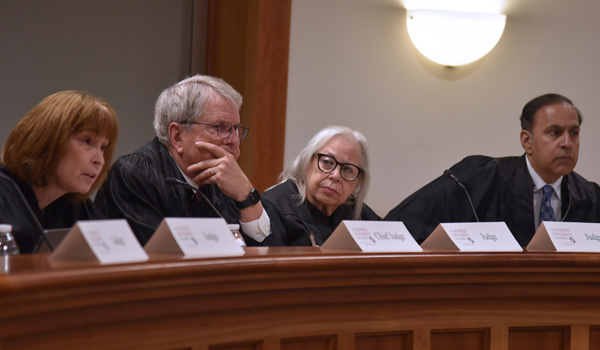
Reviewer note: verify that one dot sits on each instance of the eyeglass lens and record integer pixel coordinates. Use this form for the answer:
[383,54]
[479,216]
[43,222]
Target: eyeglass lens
[328,164]
[224,129]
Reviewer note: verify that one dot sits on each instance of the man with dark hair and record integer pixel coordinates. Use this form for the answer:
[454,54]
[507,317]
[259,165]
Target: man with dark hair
[537,103]
[520,191]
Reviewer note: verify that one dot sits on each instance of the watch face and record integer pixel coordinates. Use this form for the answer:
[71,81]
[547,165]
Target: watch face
[254,196]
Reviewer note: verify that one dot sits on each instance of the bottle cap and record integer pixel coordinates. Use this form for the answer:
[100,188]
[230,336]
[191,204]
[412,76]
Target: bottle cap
[233,227]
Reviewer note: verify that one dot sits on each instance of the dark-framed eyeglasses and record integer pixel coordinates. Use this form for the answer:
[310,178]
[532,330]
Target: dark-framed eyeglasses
[327,164]
[224,129]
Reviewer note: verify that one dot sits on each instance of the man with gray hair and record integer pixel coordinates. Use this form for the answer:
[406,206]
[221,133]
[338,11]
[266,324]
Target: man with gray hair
[198,130]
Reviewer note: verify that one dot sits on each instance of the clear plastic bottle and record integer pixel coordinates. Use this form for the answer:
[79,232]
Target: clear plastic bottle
[235,230]
[8,244]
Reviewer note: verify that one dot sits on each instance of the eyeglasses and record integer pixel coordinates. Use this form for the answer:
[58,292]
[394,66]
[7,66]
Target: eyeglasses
[327,164]
[224,129]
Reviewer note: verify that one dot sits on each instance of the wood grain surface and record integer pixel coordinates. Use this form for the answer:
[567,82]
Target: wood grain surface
[305,298]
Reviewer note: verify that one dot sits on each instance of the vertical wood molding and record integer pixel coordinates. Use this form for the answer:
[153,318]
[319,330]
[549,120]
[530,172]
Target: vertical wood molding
[499,338]
[271,343]
[248,46]
[422,339]
[580,337]
[345,340]
[199,42]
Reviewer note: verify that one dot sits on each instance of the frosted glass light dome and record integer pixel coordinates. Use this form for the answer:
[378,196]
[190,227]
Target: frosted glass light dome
[454,38]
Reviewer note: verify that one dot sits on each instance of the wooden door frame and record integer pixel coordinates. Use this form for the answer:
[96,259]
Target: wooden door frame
[246,43]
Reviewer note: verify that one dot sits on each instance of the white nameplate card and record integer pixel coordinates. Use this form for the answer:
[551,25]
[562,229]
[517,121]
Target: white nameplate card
[472,237]
[556,236]
[100,241]
[194,238]
[372,236]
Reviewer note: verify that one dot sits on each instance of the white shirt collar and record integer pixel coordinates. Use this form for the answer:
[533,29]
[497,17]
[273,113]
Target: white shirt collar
[187,179]
[539,183]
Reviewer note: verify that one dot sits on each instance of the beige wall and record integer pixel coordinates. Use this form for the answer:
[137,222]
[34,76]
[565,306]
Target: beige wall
[352,63]
[125,52]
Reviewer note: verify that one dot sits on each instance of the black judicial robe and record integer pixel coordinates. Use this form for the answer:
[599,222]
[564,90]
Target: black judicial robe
[62,213]
[301,219]
[501,190]
[136,190]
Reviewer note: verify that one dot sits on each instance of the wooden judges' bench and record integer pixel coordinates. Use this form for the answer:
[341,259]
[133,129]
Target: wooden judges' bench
[304,298]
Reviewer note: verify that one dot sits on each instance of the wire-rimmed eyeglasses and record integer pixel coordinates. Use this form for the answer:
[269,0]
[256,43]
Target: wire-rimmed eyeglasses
[224,129]
[327,164]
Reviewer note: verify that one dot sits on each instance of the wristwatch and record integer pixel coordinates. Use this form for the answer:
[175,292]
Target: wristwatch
[253,198]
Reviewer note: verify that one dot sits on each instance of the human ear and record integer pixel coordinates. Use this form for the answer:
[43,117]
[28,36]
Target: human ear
[175,137]
[526,140]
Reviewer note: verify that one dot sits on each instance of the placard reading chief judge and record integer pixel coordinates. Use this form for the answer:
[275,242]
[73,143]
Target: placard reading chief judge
[198,129]
[521,191]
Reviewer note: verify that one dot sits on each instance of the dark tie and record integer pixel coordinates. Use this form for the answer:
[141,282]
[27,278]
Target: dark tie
[546,211]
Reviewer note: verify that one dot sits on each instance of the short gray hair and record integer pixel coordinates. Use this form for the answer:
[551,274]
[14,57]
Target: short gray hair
[297,172]
[187,100]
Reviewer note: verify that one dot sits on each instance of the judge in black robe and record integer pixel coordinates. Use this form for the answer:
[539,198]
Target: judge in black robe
[333,170]
[300,219]
[53,160]
[199,131]
[501,190]
[137,190]
[62,213]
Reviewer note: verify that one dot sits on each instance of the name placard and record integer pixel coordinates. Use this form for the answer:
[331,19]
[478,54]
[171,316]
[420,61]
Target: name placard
[472,237]
[372,236]
[556,236]
[193,238]
[100,241]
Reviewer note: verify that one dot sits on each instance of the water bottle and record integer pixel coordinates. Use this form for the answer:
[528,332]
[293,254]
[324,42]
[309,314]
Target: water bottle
[235,230]
[8,244]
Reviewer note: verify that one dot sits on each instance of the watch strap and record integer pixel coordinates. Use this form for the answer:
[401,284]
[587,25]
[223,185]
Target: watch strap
[253,198]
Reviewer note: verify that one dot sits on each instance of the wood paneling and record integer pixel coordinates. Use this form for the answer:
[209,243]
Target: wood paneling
[594,337]
[304,298]
[242,346]
[460,339]
[314,343]
[548,338]
[248,46]
[384,341]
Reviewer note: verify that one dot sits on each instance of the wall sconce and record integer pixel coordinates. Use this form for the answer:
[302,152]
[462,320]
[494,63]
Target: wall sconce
[454,38]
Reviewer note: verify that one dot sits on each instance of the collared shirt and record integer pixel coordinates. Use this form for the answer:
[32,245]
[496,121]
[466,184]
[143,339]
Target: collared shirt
[538,185]
[258,229]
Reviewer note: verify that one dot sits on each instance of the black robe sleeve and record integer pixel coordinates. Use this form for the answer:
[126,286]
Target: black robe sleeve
[582,202]
[300,219]
[15,212]
[136,190]
[443,200]
[62,213]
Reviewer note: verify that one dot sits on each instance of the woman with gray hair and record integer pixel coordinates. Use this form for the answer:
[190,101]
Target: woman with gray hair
[327,183]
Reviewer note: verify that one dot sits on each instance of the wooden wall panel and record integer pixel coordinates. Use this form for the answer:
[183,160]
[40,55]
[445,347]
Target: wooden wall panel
[383,341]
[310,343]
[460,339]
[595,337]
[248,46]
[238,346]
[539,338]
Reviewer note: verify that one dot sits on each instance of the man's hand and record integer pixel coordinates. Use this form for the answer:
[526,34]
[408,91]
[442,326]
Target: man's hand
[223,171]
